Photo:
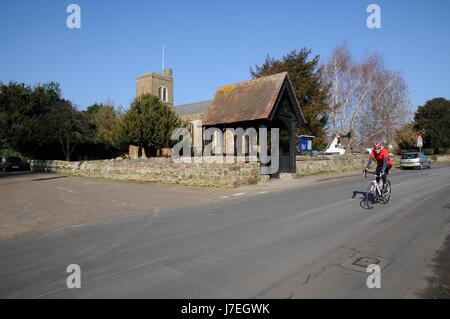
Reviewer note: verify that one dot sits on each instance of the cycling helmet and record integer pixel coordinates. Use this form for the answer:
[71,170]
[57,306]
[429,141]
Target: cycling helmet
[377,146]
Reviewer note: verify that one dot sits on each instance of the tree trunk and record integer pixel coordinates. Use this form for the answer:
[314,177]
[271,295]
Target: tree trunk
[348,143]
[68,151]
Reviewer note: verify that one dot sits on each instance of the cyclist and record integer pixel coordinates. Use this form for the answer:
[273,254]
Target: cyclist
[384,163]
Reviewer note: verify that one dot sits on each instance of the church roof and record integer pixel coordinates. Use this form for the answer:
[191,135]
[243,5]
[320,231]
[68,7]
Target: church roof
[192,108]
[248,100]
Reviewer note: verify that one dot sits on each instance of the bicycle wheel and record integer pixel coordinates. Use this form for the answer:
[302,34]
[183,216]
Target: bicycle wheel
[369,198]
[387,192]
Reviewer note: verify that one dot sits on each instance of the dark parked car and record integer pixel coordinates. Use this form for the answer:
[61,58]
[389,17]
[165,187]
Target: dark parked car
[12,163]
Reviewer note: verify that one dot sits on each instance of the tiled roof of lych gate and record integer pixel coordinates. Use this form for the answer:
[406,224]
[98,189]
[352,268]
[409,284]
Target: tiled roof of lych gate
[245,101]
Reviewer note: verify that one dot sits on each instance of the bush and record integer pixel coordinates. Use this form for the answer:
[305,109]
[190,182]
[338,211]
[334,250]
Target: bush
[9,152]
[406,137]
[149,124]
[434,120]
[428,151]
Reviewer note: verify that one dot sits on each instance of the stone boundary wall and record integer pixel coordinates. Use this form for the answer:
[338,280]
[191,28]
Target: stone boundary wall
[157,170]
[333,163]
[442,158]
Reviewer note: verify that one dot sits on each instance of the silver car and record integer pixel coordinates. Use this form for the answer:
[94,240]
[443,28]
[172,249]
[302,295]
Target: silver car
[415,160]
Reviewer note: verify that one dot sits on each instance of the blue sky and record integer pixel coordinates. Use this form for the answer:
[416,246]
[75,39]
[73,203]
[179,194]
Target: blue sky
[212,43]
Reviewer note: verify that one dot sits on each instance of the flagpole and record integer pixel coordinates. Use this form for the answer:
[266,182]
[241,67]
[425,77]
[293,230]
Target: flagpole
[163,58]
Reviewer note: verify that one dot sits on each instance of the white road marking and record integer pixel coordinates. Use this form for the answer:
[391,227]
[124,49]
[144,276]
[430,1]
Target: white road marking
[319,209]
[67,190]
[238,194]
[77,226]
[118,201]
[148,263]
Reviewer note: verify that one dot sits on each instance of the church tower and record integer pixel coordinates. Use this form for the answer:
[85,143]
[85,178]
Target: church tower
[160,85]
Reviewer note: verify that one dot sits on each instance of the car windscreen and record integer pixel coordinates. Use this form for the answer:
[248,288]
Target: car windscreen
[14,160]
[410,155]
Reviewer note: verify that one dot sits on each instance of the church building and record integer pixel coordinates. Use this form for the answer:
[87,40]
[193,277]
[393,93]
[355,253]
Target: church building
[266,102]
[160,85]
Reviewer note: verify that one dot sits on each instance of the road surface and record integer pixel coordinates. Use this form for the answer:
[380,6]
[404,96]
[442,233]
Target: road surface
[299,242]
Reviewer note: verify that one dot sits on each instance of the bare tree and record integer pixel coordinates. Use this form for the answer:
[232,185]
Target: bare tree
[387,110]
[366,100]
[351,86]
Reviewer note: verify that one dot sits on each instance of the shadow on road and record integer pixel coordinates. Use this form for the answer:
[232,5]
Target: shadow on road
[439,281]
[362,196]
[15,174]
[355,193]
[47,178]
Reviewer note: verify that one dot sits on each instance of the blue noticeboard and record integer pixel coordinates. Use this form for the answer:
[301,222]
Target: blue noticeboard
[305,144]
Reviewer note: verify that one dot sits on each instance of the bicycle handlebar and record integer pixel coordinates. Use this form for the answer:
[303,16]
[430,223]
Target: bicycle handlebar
[372,173]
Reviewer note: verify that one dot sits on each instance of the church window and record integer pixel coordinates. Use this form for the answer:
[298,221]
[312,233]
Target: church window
[162,94]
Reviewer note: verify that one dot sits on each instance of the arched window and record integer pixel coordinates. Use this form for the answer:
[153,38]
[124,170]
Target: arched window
[162,94]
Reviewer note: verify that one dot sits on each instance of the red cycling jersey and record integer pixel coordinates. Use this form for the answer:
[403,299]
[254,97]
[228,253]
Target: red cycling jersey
[381,156]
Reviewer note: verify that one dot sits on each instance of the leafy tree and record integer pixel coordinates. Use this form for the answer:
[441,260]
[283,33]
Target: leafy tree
[4,152]
[3,131]
[149,124]
[104,120]
[68,127]
[37,122]
[312,94]
[23,111]
[433,119]
[406,137]
[94,108]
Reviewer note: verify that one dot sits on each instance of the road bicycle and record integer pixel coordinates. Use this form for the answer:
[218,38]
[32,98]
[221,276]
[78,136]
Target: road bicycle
[374,194]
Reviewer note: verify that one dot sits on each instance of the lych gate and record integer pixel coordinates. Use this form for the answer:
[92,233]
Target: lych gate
[264,102]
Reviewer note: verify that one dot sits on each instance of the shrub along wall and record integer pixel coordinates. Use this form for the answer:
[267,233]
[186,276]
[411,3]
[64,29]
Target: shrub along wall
[158,170]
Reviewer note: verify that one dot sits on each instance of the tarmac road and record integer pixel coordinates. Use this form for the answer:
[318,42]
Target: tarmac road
[299,242]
